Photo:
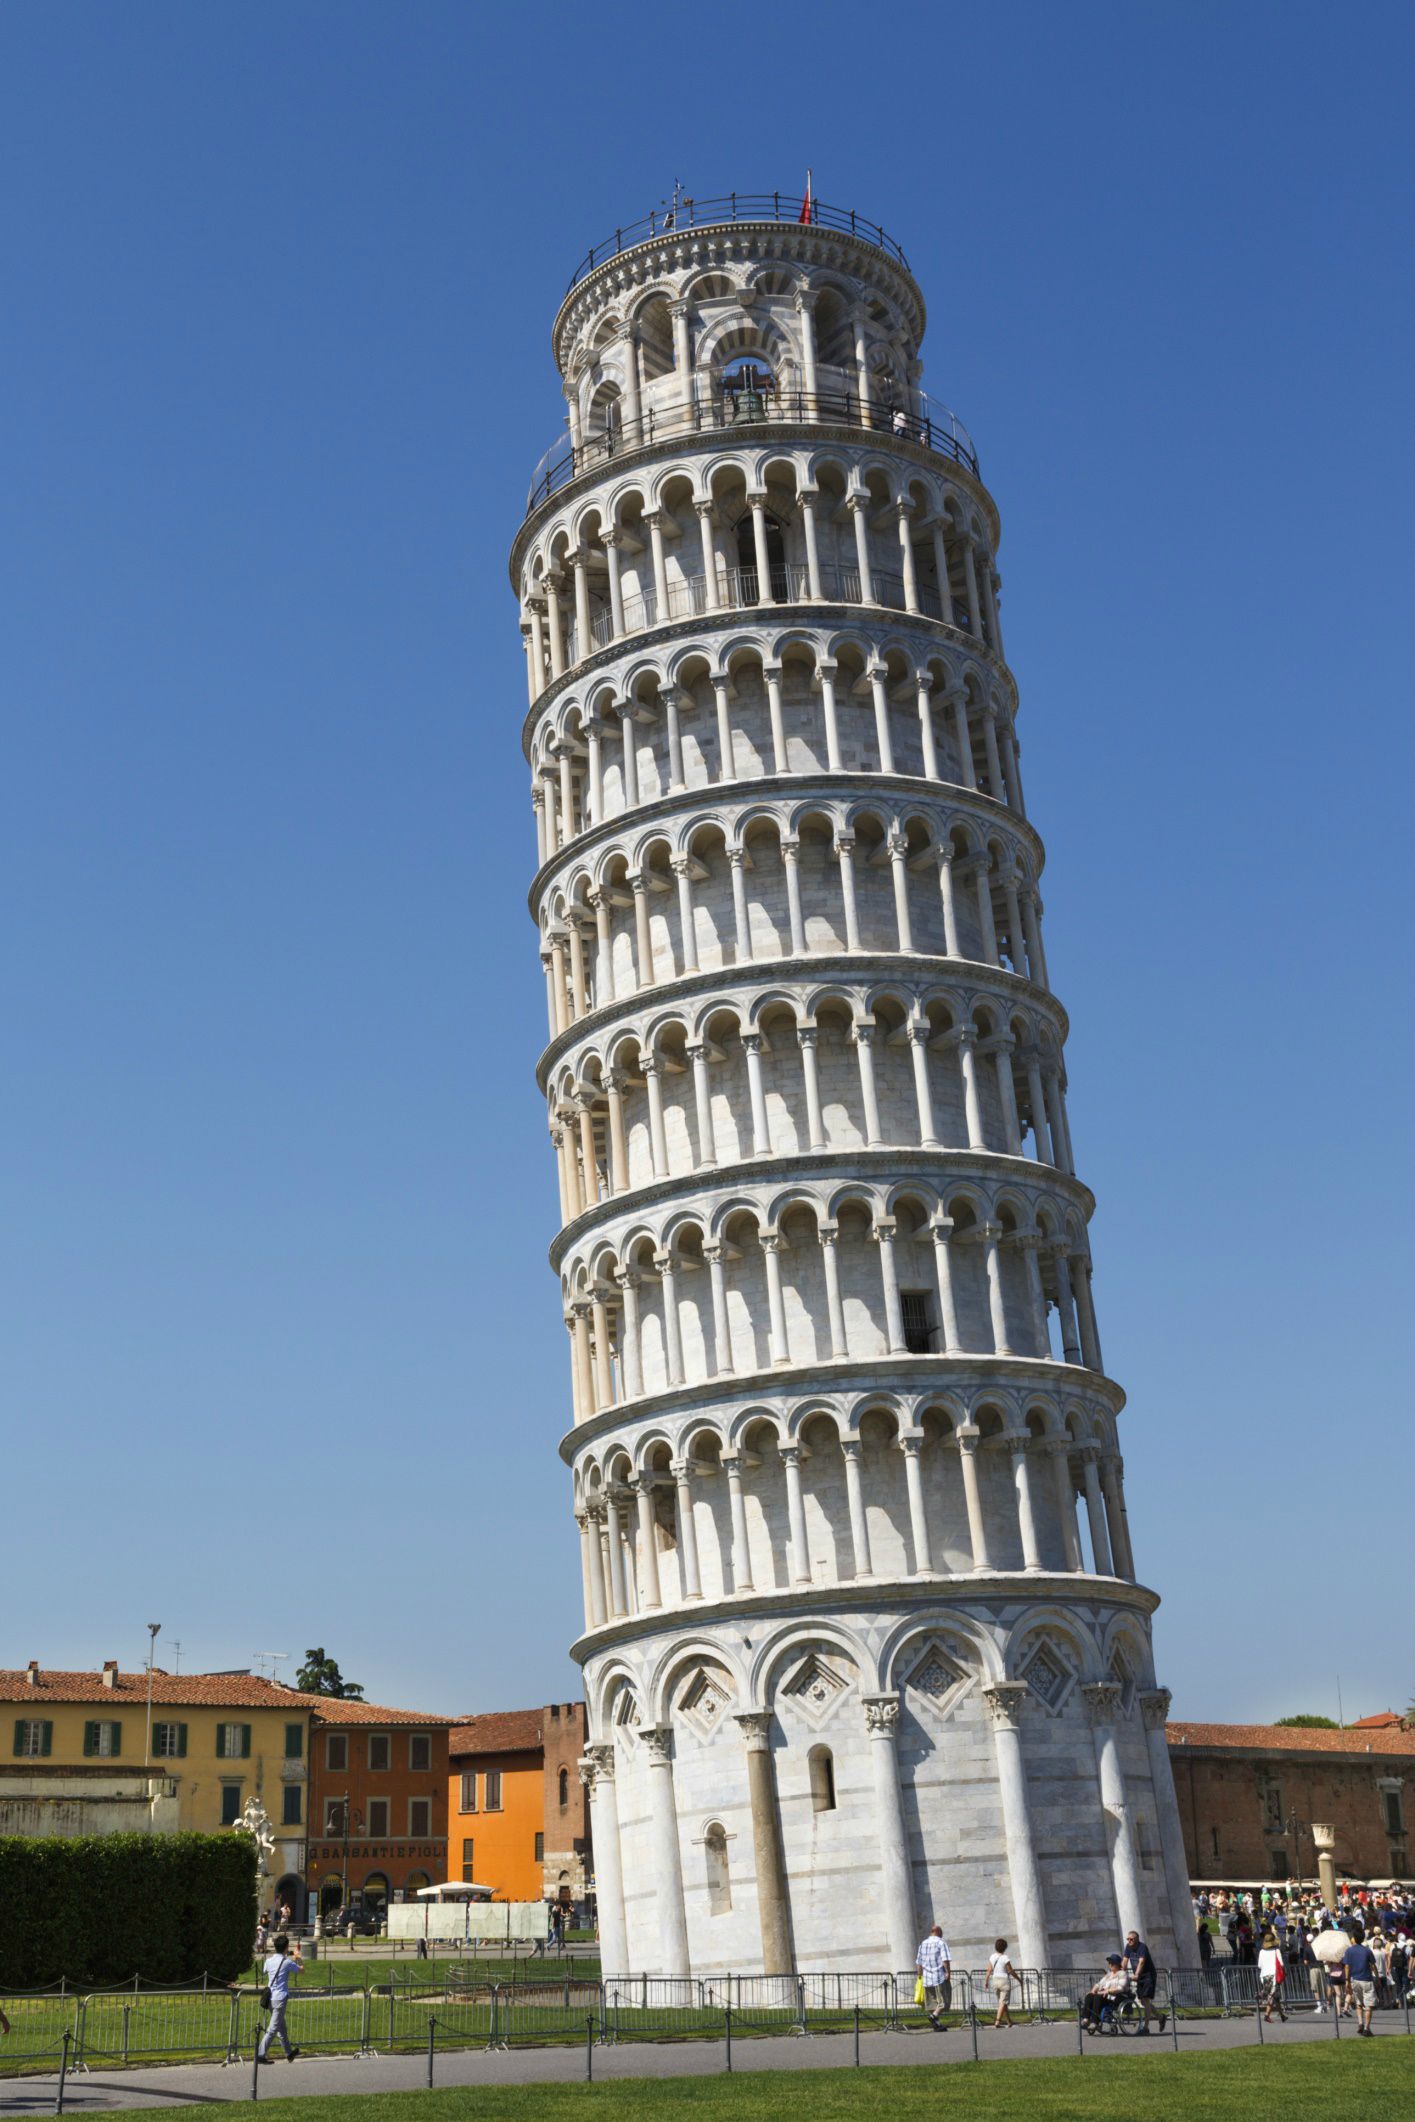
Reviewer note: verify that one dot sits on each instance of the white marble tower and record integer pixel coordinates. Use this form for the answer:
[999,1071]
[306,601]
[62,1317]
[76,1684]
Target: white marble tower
[864,1646]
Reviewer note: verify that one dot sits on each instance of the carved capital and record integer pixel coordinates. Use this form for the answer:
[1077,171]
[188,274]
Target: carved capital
[1154,1707]
[1102,1699]
[881,1716]
[596,1765]
[657,1740]
[756,1729]
[1004,1703]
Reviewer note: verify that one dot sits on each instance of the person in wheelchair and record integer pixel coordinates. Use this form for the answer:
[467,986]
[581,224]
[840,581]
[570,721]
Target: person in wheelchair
[1100,2001]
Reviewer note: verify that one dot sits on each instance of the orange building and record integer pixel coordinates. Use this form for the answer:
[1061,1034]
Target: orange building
[518,1817]
[378,1802]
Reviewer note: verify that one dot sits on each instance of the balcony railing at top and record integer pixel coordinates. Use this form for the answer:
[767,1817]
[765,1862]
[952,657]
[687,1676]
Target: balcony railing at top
[735,206]
[739,589]
[937,430]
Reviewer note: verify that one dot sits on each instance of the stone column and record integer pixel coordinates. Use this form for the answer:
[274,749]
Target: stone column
[918,1036]
[906,556]
[989,1235]
[942,1229]
[864,1052]
[1086,1311]
[896,1872]
[682,353]
[556,624]
[715,1255]
[618,1146]
[951,942]
[945,591]
[882,1233]
[1004,1702]
[790,862]
[633,1368]
[702,1099]
[796,1515]
[918,1519]
[982,878]
[924,687]
[594,734]
[805,310]
[612,542]
[651,1593]
[618,1602]
[589,1573]
[877,674]
[741,1547]
[1066,1309]
[772,1909]
[815,1121]
[741,919]
[972,1103]
[825,671]
[1116,1522]
[855,1496]
[776,1307]
[1026,1507]
[970,576]
[682,866]
[658,1139]
[1324,1843]
[858,505]
[1095,1513]
[643,941]
[711,597]
[1154,1708]
[968,1437]
[597,1774]
[995,782]
[692,1581]
[899,876]
[828,1233]
[757,504]
[599,1599]
[845,851]
[726,758]
[584,634]
[963,739]
[771,672]
[672,1336]
[756,1090]
[1060,1448]
[1041,1134]
[657,1742]
[604,1368]
[654,519]
[604,946]
[807,499]
[629,747]
[1102,1699]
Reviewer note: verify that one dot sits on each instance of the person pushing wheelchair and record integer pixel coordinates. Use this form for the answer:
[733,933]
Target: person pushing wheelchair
[1103,1996]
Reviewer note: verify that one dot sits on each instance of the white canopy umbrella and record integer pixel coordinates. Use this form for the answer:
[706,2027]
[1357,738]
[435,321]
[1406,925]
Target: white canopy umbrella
[455,1890]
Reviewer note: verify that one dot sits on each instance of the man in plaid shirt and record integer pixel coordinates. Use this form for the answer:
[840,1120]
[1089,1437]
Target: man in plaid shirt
[935,1966]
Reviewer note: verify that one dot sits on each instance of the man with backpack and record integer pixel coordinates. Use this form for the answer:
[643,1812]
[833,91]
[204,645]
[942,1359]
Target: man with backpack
[282,1967]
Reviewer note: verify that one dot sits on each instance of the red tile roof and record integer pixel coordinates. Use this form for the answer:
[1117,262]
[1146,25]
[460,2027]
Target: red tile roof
[1383,1719]
[1290,1738]
[189,1690]
[500,1731]
[337,1709]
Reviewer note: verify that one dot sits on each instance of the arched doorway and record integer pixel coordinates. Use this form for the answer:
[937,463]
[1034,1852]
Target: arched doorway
[290,1893]
[376,1893]
[417,1880]
[331,1893]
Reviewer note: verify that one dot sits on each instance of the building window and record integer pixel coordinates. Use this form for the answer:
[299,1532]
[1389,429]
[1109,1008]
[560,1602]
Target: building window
[1400,1863]
[468,1859]
[336,1751]
[420,1816]
[719,1878]
[105,1740]
[493,1790]
[822,1767]
[33,1736]
[294,1742]
[233,1742]
[420,1753]
[290,1805]
[1272,1808]
[917,1308]
[1395,1819]
[564,1788]
[335,1814]
[169,1741]
[540,1849]
[1277,1863]
[378,1818]
[378,1753]
[230,1804]
[469,1791]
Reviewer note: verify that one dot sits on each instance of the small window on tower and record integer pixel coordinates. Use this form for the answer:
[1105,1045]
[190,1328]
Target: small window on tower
[822,1766]
[564,1788]
[917,1307]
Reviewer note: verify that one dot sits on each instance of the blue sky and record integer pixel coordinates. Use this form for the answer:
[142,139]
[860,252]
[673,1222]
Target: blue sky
[282,1360]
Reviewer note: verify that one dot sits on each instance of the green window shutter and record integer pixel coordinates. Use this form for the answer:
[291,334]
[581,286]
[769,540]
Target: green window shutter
[90,1738]
[294,1741]
[117,1738]
[19,1735]
[182,1740]
[46,1737]
[245,1742]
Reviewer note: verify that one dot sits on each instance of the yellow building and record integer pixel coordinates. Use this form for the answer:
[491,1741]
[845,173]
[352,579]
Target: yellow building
[83,1751]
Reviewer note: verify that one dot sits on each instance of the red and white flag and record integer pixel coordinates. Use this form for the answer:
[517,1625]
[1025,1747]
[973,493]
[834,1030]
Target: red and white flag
[808,204]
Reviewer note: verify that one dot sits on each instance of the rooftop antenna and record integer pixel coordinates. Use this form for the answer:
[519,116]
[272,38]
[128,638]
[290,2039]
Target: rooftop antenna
[176,1657]
[1340,1712]
[275,1658]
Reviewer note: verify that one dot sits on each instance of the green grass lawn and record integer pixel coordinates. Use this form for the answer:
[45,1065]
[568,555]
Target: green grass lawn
[1320,2079]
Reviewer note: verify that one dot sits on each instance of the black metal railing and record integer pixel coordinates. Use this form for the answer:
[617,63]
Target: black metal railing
[735,206]
[566,459]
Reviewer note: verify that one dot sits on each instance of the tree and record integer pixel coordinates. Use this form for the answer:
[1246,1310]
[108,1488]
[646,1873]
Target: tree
[321,1676]
[1304,1723]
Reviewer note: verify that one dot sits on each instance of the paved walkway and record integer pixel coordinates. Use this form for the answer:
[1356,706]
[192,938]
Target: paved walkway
[202,2084]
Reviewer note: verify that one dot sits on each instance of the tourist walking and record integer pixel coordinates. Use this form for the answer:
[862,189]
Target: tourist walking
[1272,1973]
[935,1967]
[281,1969]
[1136,1958]
[1001,1976]
[1361,1974]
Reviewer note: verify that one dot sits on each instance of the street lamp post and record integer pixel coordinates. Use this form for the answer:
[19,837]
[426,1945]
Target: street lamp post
[153,1629]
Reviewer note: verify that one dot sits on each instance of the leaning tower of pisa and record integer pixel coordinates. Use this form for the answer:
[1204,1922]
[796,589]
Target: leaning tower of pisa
[864,1646]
